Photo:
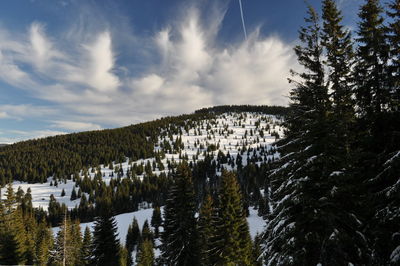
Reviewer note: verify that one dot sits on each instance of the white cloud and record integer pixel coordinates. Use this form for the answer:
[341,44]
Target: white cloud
[21,111]
[75,126]
[3,115]
[13,136]
[182,68]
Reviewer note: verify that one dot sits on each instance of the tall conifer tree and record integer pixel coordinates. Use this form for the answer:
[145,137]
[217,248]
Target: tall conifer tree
[231,243]
[179,239]
[105,242]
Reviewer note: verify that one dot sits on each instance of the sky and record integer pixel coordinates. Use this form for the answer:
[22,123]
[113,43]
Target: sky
[77,65]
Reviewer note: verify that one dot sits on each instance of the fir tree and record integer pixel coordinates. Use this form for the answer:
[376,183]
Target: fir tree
[147,234]
[179,238]
[308,225]
[73,194]
[156,220]
[105,242]
[231,243]
[44,243]
[206,230]
[86,251]
[132,239]
[145,256]
[372,90]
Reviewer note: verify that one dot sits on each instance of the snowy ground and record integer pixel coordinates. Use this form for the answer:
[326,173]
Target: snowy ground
[230,131]
[256,223]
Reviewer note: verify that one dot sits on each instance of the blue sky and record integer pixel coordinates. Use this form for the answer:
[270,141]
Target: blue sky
[75,65]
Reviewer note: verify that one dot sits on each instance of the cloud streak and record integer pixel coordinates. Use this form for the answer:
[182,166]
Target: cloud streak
[185,68]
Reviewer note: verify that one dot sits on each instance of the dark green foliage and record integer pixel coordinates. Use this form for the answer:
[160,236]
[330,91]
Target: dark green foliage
[231,244]
[309,224]
[145,256]
[106,246]
[179,239]
[156,220]
[372,88]
[86,250]
[73,194]
[147,234]
[206,230]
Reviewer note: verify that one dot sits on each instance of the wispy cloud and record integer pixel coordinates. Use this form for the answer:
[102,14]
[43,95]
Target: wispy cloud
[75,126]
[182,68]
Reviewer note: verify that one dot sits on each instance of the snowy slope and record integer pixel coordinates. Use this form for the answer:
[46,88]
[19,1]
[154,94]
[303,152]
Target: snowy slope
[230,132]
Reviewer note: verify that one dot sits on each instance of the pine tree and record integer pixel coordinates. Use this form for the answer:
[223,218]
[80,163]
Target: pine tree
[132,239]
[76,243]
[73,194]
[63,243]
[145,256]
[339,59]
[12,248]
[231,243]
[308,225]
[86,251]
[156,220]
[147,234]
[372,90]
[44,243]
[105,242]
[179,238]
[385,185]
[393,35]
[206,230]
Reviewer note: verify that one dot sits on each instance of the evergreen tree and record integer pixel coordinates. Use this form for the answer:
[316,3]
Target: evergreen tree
[132,239]
[372,90]
[339,60]
[231,243]
[179,238]
[156,220]
[147,234]
[64,250]
[105,242]
[308,225]
[393,35]
[11,252]
[206,230]
[86,251]
[44,243]
[73,194]
[145,256]
[385,186]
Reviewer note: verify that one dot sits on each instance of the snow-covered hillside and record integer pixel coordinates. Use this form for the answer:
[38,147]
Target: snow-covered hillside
[249,134]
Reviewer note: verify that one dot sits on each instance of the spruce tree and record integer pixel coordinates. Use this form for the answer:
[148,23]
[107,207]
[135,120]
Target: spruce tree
[156,220]
[147,234]
[64,250]
[393,36]
[231,243]
[145,256]
[132,238]
[206,230]
[308,225]
[105,242]
[372,90]
[86,251]
[44,243]
[179,238]
[385,185]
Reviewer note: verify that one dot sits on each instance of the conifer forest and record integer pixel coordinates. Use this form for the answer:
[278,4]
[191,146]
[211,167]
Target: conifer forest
[314,183]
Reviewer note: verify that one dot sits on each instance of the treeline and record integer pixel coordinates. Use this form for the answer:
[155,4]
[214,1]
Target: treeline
[126,191]
[265,109]
[61,156]
[336,193]
[219,235]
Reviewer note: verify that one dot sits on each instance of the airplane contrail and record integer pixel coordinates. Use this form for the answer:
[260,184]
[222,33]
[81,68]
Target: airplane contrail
[241,14]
